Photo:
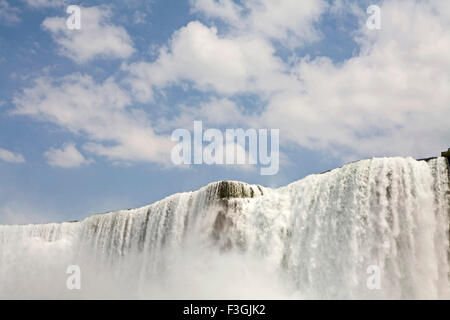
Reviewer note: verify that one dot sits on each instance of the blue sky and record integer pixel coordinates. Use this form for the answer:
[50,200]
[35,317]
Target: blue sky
[86,115]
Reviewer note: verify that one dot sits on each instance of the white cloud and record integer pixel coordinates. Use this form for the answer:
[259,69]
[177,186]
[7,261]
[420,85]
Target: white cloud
[227,65]
[8,15]
[98,37]
[290,22]
[9,156]
[67,157]
[223,9]
[100,112]
[46,3]
[392,98]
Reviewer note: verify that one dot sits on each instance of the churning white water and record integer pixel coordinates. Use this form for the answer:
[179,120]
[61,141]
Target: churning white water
[315,238]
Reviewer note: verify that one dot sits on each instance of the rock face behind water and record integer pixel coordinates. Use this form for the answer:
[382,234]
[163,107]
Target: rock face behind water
[234,189]
[320,234]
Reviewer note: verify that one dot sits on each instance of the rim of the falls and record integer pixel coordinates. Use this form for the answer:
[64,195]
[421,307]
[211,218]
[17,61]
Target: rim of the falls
[247,190]
[225,189]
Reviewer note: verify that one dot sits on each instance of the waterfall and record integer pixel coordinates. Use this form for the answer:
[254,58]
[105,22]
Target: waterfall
[316,238]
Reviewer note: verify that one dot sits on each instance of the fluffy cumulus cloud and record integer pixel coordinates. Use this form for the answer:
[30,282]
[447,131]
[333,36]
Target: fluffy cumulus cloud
[12,157]
[99,112]
[97,38]
[224,64]
[290,22]
[391,98]
[67,157]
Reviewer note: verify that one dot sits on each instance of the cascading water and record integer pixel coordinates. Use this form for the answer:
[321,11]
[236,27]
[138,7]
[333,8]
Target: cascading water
[315,238]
